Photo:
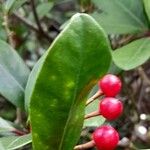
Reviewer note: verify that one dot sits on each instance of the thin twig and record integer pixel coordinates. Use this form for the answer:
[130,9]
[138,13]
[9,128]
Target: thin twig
[143,75]
[94,97]
[11,42]
[18,116]
[38,21]
[7,28]
[132,38]
[85,146]
[26,22]
[140,96]
[92,114]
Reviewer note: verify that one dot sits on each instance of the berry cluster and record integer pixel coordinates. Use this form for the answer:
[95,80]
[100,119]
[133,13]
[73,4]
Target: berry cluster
[106,137]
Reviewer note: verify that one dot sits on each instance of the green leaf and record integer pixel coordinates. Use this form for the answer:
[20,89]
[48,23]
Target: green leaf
[147,7]
[13,75]
[8,4]
[11,5]
[121,16]
[71,67]
[15,142]
[1,146]
[133,54]
[44,8]
[17,5]
[5,125]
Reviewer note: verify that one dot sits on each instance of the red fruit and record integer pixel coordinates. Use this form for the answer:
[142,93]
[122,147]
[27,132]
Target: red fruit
[111,108]
[106,138]
[110,85]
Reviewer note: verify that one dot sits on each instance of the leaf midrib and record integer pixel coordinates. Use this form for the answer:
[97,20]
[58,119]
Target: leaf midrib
[138,51]
[72,105]
[132,15]
[74,98]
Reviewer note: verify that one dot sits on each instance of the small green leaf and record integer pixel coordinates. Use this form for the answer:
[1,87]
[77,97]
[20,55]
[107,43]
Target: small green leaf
[15,142]
[147,7]
[70,68]
[133,54]
[13,75]
[120,16]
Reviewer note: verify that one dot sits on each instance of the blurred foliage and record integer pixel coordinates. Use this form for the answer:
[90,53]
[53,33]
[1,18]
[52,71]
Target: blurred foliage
[30,26]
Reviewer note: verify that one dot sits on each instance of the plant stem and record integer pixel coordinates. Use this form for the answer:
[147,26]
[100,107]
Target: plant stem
[85,146]
[26,22]
[92,114]
[11,42]
[94,97]
[132,38]
[18,116]
[38,21]
[7,28]
[143,75]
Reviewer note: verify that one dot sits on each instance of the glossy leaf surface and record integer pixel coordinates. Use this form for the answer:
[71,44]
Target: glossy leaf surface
[120,16]
[71,67]
[13,75]
[133,54]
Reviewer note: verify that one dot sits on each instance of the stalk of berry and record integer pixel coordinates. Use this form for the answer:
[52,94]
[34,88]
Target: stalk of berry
[109,107]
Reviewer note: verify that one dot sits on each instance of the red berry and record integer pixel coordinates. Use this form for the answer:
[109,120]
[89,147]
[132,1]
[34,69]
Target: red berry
[110,85]
[106,138]
[111,108]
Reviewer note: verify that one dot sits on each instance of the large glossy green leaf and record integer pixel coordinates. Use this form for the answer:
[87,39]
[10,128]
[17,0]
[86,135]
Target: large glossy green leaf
[13,75]
[66,74]
[133,54]
[147,8]
[120,16]
[15,142]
